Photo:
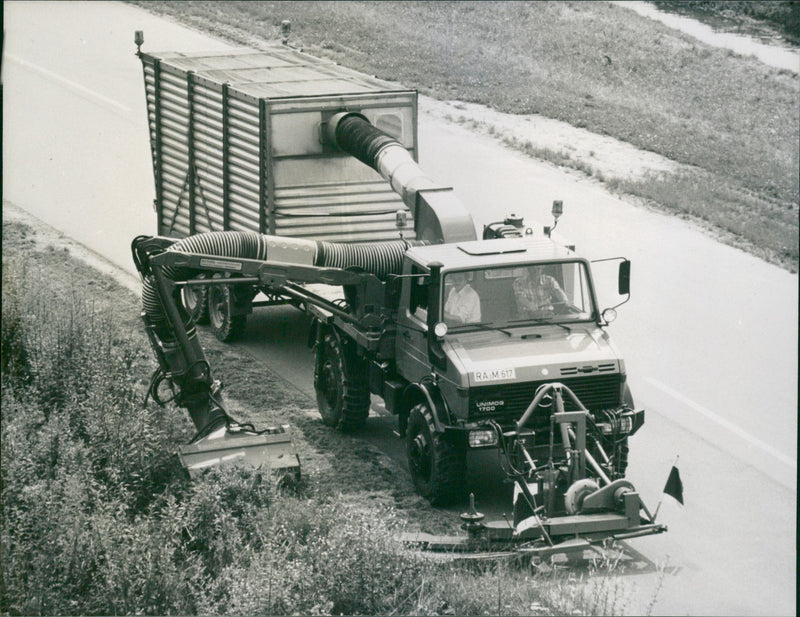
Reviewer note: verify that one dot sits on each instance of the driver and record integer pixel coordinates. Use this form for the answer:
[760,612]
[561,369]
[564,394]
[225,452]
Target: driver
[536,291]
[463,304]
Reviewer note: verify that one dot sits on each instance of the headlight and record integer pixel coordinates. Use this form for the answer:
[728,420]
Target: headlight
[625,424]
[482,438]
[629,422]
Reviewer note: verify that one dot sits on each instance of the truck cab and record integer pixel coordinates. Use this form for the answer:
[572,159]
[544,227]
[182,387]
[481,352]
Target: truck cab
[531,318]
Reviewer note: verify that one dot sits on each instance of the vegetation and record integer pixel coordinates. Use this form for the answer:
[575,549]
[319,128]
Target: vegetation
[731,121]
[98,519]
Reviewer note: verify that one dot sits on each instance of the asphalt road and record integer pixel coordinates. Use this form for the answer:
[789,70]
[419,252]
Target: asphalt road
[709,336]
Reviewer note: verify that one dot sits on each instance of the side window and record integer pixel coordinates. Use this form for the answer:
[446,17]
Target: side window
[418,305]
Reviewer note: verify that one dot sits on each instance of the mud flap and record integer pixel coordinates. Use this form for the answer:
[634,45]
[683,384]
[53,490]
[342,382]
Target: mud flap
[272,450]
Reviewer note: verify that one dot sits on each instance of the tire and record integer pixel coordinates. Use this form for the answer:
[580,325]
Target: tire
[340,384]
[195,301]
[437,466]
[224,326]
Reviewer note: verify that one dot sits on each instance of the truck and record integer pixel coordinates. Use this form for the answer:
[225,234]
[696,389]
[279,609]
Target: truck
[318,201]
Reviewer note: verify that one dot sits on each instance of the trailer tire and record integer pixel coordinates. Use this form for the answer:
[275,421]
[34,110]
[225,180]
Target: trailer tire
[340,385]
[195,301]
[437,466]
[226,327]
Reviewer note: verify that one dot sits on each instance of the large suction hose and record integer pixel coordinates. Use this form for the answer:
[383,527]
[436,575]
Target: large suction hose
[438,214]
[380,259]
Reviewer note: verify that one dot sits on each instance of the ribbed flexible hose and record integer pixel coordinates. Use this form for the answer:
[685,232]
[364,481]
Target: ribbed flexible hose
[244,244]
[356,136]
[380,259]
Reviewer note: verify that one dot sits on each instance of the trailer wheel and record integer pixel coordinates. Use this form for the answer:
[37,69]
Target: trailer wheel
[340,384]
[437,466]
[195,301]
[226,327]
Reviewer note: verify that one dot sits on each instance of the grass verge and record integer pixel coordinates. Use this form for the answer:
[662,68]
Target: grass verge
[594,65]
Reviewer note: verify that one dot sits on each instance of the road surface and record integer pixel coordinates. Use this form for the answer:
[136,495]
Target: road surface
[709,336]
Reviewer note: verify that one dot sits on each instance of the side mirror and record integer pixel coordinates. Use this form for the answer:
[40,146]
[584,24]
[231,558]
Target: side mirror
[623,285]
[624,280]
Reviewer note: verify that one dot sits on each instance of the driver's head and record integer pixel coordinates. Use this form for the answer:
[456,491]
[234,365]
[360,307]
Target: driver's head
[538,275]
[534,274]
[459,279]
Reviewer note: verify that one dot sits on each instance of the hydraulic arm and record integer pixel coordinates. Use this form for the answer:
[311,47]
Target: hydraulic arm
[182,363]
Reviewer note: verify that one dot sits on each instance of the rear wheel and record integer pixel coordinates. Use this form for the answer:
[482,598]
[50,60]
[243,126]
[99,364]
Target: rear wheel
[437,466]
[226,327]
[340,384]
[195,300]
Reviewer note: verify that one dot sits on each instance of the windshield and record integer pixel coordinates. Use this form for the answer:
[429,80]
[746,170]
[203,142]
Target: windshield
[542,293]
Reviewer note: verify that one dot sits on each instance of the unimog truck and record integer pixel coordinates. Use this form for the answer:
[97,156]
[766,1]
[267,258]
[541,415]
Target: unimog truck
[255,155]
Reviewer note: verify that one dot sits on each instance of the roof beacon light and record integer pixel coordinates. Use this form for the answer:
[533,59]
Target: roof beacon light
[557,211]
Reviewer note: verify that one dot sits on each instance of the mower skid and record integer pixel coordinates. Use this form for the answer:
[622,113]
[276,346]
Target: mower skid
[271,449]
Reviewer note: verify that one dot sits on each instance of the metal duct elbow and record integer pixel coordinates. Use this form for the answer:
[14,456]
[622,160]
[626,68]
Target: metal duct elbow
[438,215]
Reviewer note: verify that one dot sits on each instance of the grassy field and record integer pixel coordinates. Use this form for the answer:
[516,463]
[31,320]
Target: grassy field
[732,120]
[98,519]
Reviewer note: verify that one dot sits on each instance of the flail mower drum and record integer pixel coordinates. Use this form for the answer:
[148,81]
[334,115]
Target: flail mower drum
[567,504]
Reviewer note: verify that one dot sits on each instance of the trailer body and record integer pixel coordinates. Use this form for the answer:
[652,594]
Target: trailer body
[236,142]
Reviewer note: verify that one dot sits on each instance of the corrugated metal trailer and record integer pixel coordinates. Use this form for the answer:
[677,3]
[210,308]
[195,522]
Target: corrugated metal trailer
[236,145]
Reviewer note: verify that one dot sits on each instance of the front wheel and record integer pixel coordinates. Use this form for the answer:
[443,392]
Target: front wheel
[437,466]
[226,327]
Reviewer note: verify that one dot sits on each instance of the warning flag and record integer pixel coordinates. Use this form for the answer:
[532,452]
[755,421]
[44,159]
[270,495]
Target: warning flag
[674,486]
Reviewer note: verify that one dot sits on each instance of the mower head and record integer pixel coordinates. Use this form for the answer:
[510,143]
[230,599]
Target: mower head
[271,448]
[567,504]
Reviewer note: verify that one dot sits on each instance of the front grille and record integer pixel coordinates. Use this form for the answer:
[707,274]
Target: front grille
[595,392]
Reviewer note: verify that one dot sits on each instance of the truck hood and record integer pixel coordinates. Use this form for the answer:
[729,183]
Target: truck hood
[548,352]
